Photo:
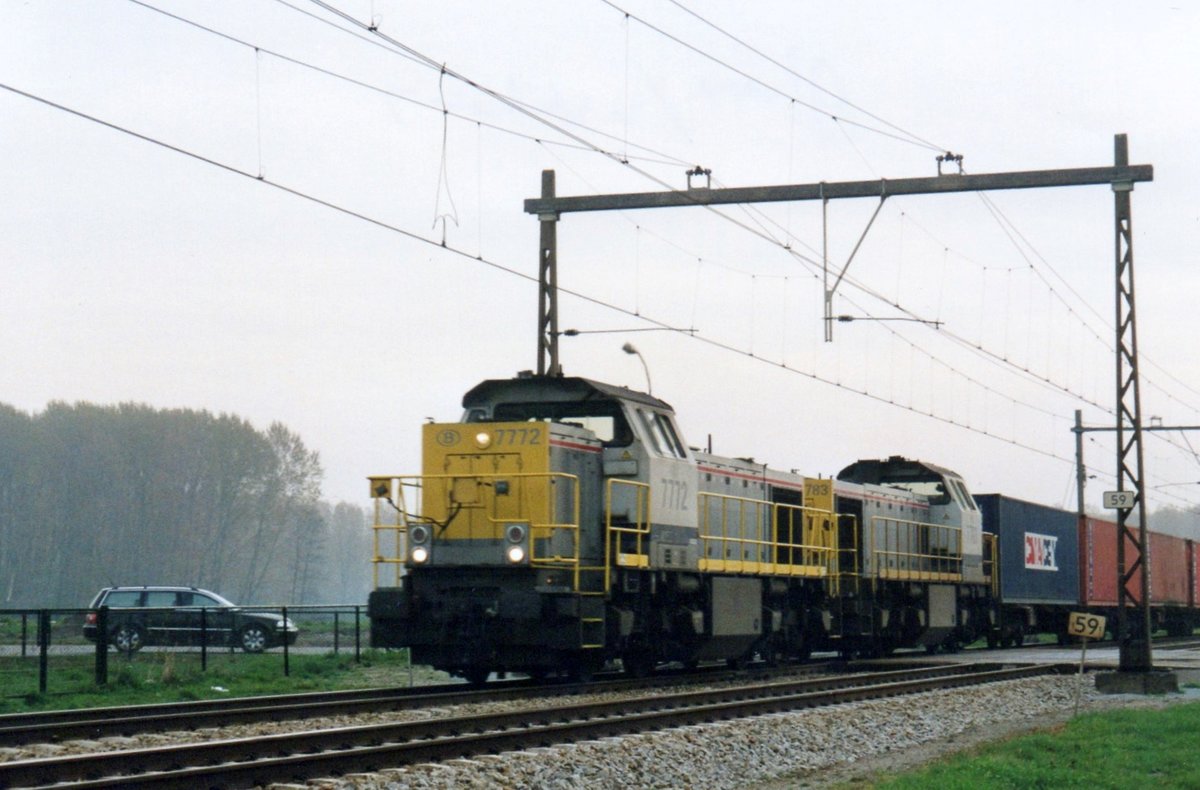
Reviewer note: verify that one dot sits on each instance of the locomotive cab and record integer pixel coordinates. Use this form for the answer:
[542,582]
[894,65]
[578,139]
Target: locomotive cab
[944,521]
[920,547]
[648,472]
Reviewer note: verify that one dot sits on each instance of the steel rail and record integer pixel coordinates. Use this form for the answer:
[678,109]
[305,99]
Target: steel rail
[295,756]
[52,726]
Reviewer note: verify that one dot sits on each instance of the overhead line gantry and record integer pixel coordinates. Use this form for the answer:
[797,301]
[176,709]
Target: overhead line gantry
[1133,633]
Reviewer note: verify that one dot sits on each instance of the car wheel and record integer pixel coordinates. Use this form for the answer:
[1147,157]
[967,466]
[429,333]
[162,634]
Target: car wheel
[126,639]
[254,638]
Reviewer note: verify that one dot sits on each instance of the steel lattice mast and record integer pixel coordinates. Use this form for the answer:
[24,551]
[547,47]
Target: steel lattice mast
[1133,633]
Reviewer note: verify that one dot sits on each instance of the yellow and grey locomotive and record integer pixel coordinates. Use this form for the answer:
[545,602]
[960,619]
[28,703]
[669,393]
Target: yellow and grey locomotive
[565,523]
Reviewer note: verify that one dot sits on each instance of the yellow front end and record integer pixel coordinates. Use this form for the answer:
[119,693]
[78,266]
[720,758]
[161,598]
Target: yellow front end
[479,478]
[487,496]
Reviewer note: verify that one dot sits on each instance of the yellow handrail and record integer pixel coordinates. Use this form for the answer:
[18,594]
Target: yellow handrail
[846,575]
[543,529]
[640,527]
[915,550]
[814,554]
[380,495]
[990,564]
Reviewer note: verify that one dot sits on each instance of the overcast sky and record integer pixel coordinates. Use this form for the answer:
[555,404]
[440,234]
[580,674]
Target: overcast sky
[283,259]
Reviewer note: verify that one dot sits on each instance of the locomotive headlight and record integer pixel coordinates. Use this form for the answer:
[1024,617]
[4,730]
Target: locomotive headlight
[515,533]
[420,555]
[419,534]
[483,440]
[516,554]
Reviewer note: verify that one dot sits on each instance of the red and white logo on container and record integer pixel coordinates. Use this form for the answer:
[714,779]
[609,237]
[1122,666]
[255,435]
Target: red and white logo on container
[1039,552]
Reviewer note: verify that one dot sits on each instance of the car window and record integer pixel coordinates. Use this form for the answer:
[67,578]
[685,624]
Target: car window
[123,598]
[160,598]
[204,600]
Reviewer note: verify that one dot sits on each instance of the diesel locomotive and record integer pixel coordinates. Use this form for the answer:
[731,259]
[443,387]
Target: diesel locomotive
[563,524]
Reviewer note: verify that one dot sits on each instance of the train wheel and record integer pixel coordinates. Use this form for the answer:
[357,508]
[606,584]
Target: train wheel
[804,650]
[637,665]
[477,676]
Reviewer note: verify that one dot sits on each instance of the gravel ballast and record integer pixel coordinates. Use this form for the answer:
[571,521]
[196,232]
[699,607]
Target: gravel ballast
[749,752]
[809,748]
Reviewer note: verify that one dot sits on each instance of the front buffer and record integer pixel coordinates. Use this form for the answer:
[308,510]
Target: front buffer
[471,622]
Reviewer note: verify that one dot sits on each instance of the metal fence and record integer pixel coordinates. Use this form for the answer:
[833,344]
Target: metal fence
[67,650]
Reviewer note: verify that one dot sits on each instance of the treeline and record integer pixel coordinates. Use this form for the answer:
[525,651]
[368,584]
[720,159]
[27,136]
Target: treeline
[92,496]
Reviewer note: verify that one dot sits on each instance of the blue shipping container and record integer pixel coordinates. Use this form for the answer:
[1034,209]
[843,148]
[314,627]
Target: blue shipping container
[1039,550]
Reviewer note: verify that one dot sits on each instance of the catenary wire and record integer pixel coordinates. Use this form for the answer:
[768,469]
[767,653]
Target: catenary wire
[803,78]
[712,342]
[655,158]
[974,347]
[905,138]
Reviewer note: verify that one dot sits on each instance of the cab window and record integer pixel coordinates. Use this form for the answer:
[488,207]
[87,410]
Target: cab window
[668,432]
[603,418]
[648,427]
[661,433]
[964,498]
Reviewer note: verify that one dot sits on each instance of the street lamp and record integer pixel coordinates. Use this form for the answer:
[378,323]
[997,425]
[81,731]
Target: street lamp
[629,348]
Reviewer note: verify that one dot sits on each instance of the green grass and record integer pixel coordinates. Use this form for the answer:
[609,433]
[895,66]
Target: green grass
[151,677]
[1137,748]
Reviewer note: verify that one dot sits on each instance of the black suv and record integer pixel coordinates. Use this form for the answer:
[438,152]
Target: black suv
[140,616]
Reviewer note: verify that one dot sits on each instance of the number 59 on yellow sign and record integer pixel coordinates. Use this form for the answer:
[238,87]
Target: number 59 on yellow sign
[1089,626]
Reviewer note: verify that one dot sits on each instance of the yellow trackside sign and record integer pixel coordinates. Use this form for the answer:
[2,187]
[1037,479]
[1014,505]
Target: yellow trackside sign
[1088,626]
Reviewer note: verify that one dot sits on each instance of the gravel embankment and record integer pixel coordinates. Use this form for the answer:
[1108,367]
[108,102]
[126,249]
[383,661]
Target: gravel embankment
[782,750]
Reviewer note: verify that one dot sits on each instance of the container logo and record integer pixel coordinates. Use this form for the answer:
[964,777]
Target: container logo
[1039,552]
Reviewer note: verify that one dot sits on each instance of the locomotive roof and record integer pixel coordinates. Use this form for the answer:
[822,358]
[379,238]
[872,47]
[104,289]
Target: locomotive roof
[893,470]
[553,389]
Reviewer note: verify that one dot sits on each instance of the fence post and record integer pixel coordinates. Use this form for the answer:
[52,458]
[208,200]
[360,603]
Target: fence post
[203,638]
[24,632]
[286,667]
[335,631]
[102,646]
[357,651]
[44,648]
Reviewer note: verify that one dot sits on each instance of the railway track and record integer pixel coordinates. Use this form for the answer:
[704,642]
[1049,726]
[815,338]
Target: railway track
[53,726]
[246,762]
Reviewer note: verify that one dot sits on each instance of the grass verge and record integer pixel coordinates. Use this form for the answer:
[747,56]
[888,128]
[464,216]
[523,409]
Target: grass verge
[1122,749]
[151,677]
